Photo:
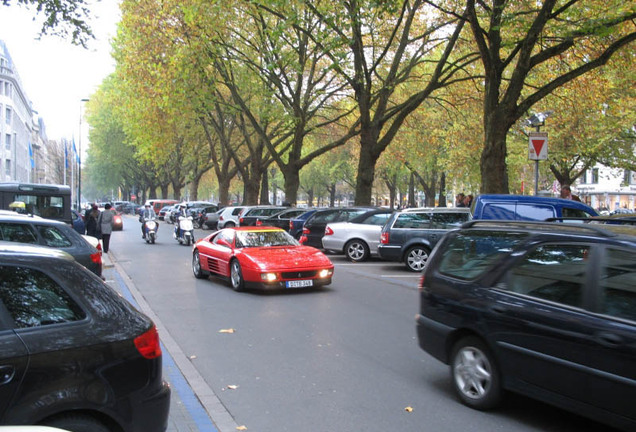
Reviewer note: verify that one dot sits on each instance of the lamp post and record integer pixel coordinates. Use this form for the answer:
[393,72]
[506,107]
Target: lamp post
[79,165]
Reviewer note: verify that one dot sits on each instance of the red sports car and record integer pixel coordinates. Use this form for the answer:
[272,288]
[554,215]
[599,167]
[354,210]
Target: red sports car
[260,257]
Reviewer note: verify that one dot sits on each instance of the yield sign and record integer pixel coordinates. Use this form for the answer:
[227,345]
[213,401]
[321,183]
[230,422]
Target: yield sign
[538,146]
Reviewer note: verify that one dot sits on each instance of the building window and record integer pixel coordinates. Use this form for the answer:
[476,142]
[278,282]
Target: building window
[7,116]
[7,89]
[7,141]
[595,175]
[7,167]
[627,177]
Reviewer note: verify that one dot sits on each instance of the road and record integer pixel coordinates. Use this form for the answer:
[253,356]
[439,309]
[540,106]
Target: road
[344,358]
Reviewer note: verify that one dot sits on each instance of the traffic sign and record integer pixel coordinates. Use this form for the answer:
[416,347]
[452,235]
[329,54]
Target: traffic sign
[538,145]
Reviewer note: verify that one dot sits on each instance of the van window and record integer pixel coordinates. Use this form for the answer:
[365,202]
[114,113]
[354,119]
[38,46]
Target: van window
[505,211]
[534,212]
[618,282]
[413,220]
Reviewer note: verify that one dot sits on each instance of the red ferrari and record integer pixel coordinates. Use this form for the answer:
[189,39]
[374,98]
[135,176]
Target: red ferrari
[260,257]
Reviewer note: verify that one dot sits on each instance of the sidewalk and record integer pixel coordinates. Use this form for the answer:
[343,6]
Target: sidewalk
[193,404]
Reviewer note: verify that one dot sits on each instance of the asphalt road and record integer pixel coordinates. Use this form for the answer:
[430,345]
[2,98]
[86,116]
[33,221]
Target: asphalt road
[343,358]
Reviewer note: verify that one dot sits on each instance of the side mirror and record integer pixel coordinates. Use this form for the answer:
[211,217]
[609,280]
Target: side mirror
[224,243]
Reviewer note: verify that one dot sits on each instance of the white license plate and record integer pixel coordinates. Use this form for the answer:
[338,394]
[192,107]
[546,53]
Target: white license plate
[300,283]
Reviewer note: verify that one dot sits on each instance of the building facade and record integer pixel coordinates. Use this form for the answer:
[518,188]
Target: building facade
[607,188]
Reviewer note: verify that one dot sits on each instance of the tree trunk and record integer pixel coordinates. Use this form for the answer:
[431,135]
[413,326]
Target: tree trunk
[366,168]
[252,187]
[442,191]
[494,171]
[292,183]
[224,190]
[164,190]
[264,200]
[194,189]
[412,191]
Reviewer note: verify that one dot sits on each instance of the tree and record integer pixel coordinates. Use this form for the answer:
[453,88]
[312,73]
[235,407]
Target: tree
[519,43]
[62,18]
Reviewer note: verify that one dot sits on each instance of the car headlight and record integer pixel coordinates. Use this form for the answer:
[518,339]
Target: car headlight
[325,273]
[269,277]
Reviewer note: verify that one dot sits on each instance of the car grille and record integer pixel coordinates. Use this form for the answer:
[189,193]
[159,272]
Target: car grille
[299,275]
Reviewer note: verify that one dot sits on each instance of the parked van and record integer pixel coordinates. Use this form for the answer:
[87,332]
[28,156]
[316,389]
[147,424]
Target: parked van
[528,208]
[157,204]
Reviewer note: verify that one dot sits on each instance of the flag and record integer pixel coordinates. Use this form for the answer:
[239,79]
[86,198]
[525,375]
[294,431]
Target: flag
[31,155]
[65,155]
[77,158]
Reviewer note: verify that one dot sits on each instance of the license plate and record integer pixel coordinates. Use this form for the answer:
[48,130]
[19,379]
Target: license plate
[299,283]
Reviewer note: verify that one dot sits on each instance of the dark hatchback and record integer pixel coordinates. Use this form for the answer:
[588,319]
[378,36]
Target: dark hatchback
[254,216]
[51,233]
[314,227]
[75,354]
[281,219]
[543,309]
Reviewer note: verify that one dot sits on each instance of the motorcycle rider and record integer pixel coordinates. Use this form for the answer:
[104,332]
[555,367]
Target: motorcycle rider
[148,213]
[181,211]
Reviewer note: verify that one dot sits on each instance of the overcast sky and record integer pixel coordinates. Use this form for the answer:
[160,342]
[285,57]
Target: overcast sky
[55,74]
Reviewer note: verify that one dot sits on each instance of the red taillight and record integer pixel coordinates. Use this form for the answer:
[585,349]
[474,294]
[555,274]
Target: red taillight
[221,218]
[306,231]
[148,344]
[258,222]
[240,220]
[384,238]
[291,225]
[97,256]
[302,239]
[328,231]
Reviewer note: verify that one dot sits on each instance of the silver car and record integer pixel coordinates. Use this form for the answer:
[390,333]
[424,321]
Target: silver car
[357,238]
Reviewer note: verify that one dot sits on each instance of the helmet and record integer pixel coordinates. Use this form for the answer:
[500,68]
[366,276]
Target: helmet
[146,205]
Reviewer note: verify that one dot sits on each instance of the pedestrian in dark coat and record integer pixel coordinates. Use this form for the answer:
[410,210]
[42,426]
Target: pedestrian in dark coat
[91,220]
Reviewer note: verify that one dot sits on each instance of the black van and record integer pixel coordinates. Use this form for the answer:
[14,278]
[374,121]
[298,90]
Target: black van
[46,200]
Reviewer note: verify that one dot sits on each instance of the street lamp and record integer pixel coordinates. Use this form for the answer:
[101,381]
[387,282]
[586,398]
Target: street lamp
[79,165]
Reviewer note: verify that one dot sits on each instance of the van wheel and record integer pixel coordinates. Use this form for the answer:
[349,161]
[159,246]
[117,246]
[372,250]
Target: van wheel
[77,423]
[475,374]
[416,258]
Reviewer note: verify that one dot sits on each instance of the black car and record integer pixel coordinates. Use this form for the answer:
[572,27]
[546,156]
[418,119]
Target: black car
[54,234]
[543,309]
[281,219]
[410,235]
[75,354]
[252,216]
[314,227]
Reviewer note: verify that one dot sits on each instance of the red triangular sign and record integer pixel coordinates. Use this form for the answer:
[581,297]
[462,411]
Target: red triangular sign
[538,145]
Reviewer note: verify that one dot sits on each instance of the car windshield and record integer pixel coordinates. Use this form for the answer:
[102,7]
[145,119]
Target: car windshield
[264,238]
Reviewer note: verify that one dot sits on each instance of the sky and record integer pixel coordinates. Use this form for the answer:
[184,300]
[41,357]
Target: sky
[55,74]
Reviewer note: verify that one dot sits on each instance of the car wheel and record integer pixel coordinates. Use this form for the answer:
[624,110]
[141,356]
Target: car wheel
[474,374]
[357,250]
[229,225]
[77,423]
[416,257]
[236,276]
[199,273]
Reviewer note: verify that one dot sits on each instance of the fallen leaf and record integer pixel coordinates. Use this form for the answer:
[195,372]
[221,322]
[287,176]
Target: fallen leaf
[232,387]
[241,428]
[230,330]
[408,409]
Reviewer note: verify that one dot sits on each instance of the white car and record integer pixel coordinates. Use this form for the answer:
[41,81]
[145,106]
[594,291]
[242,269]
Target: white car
[359,237]
[229,217]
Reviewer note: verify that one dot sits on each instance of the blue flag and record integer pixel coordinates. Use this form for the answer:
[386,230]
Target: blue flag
[75,151]
[31,155]
[65,155]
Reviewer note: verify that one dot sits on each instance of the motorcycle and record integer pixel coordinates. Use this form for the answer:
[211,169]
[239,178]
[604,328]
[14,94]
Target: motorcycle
[150,230]
[184,230]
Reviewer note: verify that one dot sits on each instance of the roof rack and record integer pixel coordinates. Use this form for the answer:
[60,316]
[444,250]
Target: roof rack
[547,225]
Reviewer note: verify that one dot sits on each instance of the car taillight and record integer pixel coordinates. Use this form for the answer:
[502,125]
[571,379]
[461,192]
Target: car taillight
[328,231]
[384,238]
[221,218]
[240,220]
[97,256]
[148,344]
[306,231]
[258,222]
[302,239]
[291,225]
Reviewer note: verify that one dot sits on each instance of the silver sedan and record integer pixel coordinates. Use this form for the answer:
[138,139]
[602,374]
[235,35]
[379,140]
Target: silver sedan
[358,238]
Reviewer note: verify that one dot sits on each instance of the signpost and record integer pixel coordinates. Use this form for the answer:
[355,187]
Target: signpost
[537,150]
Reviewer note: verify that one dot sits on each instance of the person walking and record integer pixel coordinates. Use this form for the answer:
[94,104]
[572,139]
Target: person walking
[105,225]
[91,220]
[566,193]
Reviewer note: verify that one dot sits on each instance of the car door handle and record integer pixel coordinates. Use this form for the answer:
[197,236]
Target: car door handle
[609,339]
[6,374]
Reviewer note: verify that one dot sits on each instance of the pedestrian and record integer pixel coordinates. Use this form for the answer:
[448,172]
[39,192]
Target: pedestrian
[459,200]
[91,220]
[566,193]
[105,225]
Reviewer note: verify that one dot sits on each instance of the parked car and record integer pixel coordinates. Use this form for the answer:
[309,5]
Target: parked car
[52,234]
[78,222]
[260,257]
[527,207]
[211,218]
[543,309]
[75,354]
[282,218]
[410,235]
[296,224]
[254,215]
[314,227]
[357,238]
[161,215]
[199,214]
[228,217]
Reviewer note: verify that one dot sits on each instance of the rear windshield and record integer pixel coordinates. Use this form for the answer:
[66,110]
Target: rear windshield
[468,254]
